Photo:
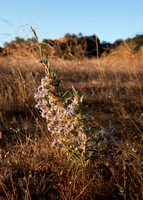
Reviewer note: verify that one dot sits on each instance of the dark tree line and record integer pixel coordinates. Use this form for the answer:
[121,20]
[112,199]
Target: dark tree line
[70,46]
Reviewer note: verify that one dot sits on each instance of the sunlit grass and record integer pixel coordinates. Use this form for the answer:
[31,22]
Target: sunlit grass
[31,168]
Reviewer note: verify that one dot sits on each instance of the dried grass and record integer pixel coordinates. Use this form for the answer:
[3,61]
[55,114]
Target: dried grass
[31,168]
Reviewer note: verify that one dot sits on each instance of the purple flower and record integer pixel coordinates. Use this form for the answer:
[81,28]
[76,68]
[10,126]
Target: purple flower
[55,142]
[56,116]
[60,129]
[36,96]
[79,136]
[43,114]
[72,127]
[41,87]
[66,112]
[49,128]
[38,105]
[62,149]
[69,110]
[42,92]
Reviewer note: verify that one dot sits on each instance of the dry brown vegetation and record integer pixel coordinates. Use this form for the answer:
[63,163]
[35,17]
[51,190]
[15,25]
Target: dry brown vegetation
[30,168]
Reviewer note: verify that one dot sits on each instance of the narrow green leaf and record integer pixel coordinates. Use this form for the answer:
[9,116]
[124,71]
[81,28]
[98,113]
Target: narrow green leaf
[66,93]
[73,153]
[67,99]
[58,82]
[75,93]
[81,99]
[80,105]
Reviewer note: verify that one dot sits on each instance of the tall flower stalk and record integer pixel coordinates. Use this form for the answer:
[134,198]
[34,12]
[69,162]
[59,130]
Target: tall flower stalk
[70,128]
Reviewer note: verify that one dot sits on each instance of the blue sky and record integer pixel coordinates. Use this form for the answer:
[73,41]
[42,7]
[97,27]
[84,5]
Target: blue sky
[108,19]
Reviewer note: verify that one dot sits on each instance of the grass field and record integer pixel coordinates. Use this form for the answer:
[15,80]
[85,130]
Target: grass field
[31,168]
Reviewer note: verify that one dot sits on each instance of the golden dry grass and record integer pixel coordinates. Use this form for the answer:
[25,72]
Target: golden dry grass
[30,168]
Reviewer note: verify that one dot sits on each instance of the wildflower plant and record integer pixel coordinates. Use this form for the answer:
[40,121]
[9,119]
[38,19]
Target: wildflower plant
[70,128]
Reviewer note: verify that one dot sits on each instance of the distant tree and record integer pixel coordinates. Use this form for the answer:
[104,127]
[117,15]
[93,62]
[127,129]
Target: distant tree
[138,41]
[1,49]
[80,35]
[32,40]
[19,40]
[138,37]
[118,41]
[74,35]
[104,43]
[67,35]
